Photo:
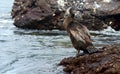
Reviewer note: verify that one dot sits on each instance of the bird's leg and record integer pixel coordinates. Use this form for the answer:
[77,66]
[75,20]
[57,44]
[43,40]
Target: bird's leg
[78,53]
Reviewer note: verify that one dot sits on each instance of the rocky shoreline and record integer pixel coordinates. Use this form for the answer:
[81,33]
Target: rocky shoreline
[49,15]
[106,62]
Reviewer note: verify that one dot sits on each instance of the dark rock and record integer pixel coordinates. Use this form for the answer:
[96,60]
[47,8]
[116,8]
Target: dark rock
[98,14]
[106,12]
[116,24]
[106,62]
[37,14]
[33,14]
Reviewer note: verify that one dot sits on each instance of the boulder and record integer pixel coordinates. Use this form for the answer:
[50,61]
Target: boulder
[36,14]
[107,11]
[49,14]
[106,62]
[97,14]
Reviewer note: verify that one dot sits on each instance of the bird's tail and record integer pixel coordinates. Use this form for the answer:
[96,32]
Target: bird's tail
[92,49]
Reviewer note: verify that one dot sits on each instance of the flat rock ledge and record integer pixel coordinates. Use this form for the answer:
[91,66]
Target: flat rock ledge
[106,62]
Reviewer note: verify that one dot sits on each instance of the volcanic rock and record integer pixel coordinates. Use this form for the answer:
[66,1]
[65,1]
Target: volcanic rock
[106,11]
[106,62]
[36,14]
[41,14]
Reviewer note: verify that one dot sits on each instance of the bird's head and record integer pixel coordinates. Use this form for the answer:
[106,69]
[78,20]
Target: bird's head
[69,15]
[70,11]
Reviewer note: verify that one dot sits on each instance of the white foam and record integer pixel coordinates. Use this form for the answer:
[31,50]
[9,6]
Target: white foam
[107,1]
[5,18]
[3,21]
[108,31]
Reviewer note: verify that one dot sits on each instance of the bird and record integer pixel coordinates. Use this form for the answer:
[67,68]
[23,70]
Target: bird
[78,33]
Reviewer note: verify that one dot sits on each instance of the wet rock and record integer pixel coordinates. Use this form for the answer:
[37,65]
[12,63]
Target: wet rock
[116,24]
[98,14]
[37,14]
[106,62]
[106,11]
[95,14]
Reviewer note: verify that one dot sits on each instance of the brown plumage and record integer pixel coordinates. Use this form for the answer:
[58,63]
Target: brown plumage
[79,34]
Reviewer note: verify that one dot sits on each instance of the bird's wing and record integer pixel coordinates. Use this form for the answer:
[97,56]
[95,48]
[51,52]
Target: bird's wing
[80,33]
[85,31]
[77,35]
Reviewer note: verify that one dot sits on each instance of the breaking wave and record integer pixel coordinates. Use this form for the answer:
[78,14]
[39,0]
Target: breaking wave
[109,31]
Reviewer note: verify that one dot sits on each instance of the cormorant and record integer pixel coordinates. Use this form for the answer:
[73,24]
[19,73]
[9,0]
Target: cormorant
[79,34]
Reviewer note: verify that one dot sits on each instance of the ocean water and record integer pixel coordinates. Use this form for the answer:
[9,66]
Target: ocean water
[39,52]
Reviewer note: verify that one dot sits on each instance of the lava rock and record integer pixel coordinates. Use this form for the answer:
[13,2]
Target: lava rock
[41,14]
[98,14]
[116,24]
[106,62]
[37,14]
[107,11]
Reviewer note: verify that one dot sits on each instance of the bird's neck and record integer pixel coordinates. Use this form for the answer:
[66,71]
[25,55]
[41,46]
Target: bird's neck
[67,21]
